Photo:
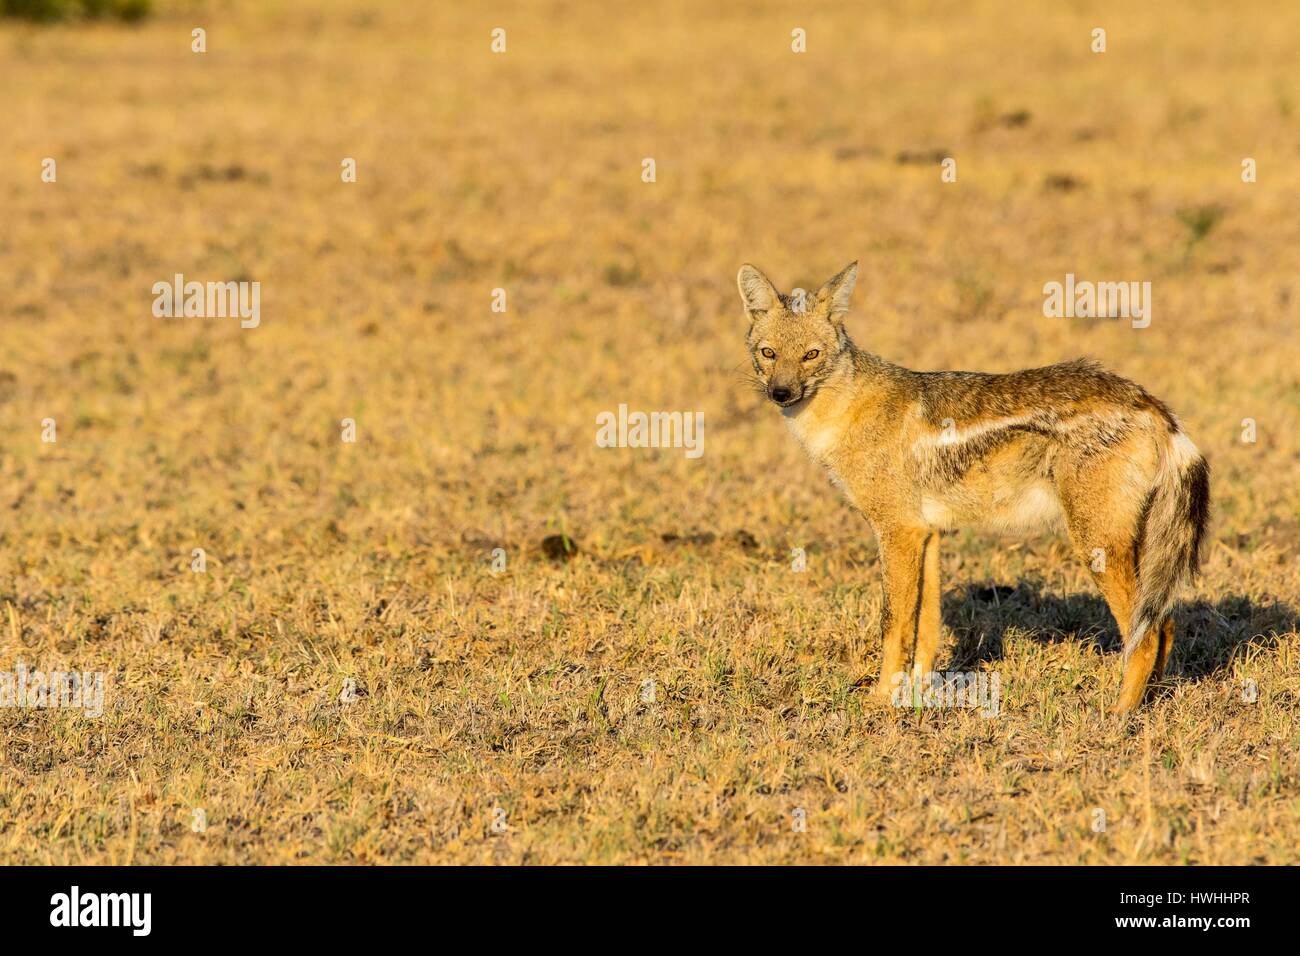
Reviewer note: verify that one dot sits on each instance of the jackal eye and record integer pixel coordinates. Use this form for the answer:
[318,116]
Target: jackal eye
[811,354]
[768,353]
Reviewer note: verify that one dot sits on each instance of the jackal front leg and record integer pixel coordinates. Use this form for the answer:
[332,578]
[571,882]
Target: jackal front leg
[902,559]
[929,626]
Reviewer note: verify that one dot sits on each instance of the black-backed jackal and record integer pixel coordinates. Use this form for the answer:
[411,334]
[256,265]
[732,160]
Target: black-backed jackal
[918,453]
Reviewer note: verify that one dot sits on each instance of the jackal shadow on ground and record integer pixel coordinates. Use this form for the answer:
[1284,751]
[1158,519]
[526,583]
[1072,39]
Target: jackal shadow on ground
[1209,637]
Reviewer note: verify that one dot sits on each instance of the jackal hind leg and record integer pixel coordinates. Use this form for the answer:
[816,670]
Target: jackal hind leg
[1113,567]
[1137,671]
[1118,585]
[902,562]
[1164,650]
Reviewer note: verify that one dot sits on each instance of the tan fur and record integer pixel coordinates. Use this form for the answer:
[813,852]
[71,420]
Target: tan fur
[918,453]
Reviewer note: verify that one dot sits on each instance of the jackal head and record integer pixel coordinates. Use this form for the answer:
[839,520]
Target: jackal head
[796,340]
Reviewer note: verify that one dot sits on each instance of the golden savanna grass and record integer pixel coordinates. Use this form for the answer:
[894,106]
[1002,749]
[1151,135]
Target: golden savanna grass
[476,430]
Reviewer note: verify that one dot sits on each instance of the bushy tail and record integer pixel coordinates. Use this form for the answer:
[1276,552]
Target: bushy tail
[1172,525]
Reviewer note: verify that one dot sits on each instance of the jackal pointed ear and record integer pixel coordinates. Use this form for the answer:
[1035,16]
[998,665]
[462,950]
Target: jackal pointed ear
[835,294]
[756,291]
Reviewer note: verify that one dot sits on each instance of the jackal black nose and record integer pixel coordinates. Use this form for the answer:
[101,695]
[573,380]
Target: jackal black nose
[781,394]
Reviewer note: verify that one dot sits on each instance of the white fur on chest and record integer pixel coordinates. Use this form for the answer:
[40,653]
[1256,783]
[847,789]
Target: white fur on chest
[818,438]
[815,433]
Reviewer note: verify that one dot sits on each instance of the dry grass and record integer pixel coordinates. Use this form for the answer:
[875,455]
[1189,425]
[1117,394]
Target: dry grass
[371,561]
